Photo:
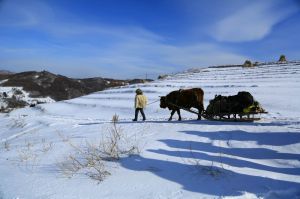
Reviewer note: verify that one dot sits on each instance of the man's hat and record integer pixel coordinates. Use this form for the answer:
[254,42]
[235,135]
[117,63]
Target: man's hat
[139,91]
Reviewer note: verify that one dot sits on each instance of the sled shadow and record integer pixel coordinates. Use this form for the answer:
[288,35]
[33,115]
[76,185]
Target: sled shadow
[261,138]
[227,161]
[201,179]
[252,153]
[229,179]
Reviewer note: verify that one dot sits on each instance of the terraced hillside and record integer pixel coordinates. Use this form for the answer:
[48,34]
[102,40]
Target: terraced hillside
[275,86]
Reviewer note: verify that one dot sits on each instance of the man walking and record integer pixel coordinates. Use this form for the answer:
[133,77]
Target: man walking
[140,103]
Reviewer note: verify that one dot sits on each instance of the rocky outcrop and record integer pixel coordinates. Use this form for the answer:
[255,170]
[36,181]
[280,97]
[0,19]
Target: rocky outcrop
[138,81]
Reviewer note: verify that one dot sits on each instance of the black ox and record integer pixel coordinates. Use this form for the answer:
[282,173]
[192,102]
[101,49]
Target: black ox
[186,99]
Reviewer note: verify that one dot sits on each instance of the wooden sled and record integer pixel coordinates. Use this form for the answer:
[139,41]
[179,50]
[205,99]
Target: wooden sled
[229,117]
[241,117]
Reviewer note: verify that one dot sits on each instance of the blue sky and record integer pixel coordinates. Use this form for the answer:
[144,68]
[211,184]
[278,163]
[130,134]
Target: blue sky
[129,38]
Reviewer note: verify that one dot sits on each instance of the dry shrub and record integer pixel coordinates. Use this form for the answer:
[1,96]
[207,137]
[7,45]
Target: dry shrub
[63,138]
[18,122]
[27,153]
[6,146]
[86,160]
[116,144]
[91,159]
[215,170]
[46,146]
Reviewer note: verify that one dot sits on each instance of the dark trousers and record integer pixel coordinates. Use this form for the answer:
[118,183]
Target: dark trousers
[137,113]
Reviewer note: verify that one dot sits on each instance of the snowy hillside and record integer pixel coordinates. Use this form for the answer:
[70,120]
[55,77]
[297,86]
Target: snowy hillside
[15,97]
[186,159]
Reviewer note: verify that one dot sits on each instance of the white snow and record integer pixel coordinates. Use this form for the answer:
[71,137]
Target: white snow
[187,159]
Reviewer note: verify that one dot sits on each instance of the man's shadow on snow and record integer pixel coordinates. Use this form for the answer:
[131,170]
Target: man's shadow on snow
[191,175]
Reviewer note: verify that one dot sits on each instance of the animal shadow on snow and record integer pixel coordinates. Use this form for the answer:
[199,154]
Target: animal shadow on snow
[199,122]
[230,183]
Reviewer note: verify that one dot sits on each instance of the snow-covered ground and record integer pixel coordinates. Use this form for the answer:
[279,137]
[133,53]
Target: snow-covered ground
[187,159]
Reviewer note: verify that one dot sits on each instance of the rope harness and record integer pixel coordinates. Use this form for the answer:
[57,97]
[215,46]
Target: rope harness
[180,107]
[153,102]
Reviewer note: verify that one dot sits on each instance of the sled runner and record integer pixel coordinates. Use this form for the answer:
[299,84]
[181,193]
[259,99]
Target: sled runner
[240,117]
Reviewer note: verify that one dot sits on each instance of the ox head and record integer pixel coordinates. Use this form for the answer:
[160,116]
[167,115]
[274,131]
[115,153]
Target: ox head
[163,102]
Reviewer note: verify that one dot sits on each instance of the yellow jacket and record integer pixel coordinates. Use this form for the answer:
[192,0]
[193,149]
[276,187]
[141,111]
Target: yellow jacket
[140,101]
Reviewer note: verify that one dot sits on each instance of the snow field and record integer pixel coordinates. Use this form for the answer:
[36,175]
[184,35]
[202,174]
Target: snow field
[187,159]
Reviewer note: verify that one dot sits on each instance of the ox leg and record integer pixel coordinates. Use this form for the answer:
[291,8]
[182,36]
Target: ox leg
[172,113]
[199,115]
[179,116]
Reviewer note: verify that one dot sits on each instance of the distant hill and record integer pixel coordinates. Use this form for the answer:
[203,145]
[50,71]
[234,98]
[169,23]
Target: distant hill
[58,87]
[4,74]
